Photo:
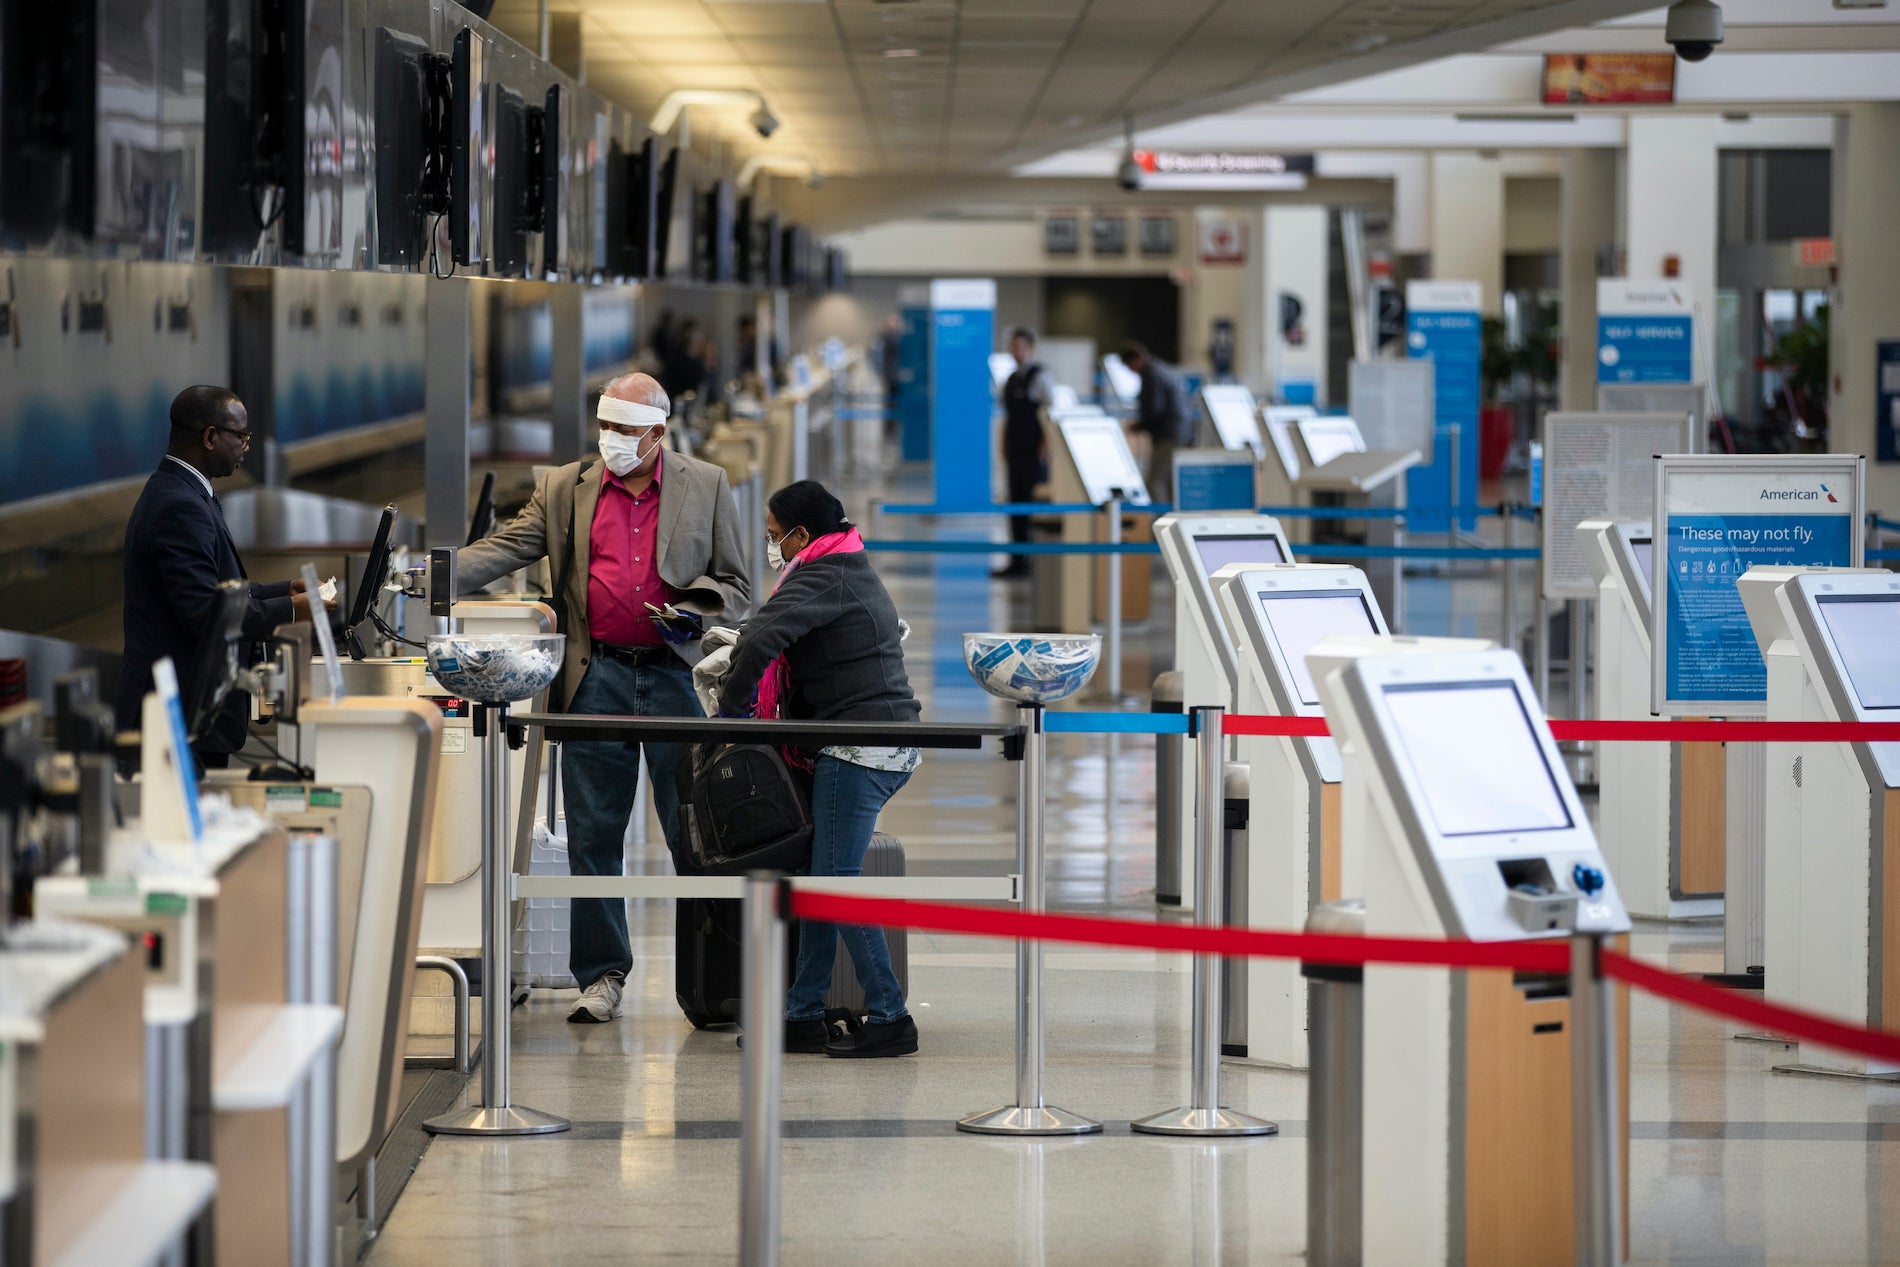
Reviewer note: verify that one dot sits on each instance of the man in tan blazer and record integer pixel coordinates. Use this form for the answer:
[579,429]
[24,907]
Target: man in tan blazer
[637,529]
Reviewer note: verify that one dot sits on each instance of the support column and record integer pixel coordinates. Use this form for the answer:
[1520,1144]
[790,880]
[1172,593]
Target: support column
[1589,225]
[1866,302]
[1670,209]
[1468,224]
[447,346]
[567,374]
[1297,257]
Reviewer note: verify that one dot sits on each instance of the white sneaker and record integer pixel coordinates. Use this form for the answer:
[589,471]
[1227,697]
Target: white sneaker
[599,1002]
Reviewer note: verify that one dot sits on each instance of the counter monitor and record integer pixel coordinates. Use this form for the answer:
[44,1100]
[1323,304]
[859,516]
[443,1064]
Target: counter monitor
[1300,622]
[1478,763]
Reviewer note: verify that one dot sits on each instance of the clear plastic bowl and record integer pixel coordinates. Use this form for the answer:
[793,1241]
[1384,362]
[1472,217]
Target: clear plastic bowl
[496,668]
[1032,668]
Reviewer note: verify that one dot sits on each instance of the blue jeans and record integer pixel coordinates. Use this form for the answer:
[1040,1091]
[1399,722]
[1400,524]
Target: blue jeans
[845,800]
[600,780]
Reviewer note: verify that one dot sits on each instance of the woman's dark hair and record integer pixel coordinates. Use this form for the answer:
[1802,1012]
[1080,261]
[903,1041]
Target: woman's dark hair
[808,505]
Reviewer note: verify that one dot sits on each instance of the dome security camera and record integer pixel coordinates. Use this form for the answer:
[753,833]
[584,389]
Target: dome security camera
[1694,28]
[1129,174]
[764,122]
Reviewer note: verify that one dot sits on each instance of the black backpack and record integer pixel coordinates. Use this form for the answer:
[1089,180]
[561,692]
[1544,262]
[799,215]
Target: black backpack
[743,808]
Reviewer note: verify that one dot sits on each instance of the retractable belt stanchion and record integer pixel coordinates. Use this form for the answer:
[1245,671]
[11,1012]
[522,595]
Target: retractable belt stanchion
[762,991]
[1205,1116]
[495,1115]
[1595,1109]
[1508,640]
[1029,1115]
[1114,601]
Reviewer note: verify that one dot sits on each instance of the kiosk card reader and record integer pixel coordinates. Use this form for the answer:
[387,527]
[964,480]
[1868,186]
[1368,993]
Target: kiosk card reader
[1473,830]
[1640,811]
[1278,615]
[1194,548]
[1832,922]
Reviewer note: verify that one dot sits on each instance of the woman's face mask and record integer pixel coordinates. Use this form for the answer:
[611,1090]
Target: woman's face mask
[774,555]
[622,453]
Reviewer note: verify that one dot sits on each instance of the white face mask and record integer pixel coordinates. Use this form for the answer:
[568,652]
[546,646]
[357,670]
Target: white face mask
[622,453]
[775,557]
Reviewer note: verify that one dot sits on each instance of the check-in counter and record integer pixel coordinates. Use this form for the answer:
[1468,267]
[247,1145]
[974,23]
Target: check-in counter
[76,1186]
[231,1050]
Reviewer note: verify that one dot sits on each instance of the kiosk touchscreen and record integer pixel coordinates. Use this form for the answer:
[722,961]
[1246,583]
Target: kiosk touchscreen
[1641,812]
[1235,416]
[1476,832]
[1123,383]
[1325,439]
[1278,615]
[1840,859]
[1103,461]
[1195,547]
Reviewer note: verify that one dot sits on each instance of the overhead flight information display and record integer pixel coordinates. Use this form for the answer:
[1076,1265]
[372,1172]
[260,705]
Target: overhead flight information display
[1867,636]
[1479,764]
[1300,622]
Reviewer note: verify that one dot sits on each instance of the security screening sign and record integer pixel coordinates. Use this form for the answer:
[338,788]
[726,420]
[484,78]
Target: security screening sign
[1645,333]
[1718,516]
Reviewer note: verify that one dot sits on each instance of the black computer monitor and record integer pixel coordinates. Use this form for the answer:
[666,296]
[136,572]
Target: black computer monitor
[215,671]
[715,234]
[745,241]
[466,146]
[375,572]
[482,522]
[643,218]
[49,91]
[544,166]
[411,174]
[513,182]
[663,211]
[254,123]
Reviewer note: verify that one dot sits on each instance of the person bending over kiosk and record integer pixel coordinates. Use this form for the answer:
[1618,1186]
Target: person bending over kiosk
[641,529]
[178,550]
[1025,395]
[1161,414]
[827,646]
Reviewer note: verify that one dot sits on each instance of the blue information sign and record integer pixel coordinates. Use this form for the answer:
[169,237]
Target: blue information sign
[1645,332]
[1887,400]
[1721,517]
[1216,482]
[962,321]
[1442,322]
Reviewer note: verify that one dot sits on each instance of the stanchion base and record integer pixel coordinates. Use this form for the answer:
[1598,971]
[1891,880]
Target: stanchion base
[512,1120]
[1017,1120]
[1203,1122]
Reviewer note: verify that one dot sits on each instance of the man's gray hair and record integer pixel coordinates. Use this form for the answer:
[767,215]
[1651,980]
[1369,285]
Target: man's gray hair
[641,388]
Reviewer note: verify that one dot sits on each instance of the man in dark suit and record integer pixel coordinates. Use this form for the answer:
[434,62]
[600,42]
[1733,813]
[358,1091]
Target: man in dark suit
[178,550]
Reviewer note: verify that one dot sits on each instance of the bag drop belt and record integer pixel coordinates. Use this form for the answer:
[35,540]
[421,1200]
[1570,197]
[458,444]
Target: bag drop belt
[632,655]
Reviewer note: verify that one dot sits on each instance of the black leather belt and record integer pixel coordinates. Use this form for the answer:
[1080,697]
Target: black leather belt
[632,655]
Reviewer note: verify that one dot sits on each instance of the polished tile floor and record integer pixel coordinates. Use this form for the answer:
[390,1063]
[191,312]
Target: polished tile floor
[1731,1164]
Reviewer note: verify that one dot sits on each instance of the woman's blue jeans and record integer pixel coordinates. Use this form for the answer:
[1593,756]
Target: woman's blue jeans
[845,800]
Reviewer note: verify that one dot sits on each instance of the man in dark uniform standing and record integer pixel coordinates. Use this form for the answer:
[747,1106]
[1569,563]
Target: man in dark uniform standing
[1025,395]
[177,552]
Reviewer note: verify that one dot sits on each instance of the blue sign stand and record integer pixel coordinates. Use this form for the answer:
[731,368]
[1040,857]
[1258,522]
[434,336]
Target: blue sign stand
[962,323]
[1442,322]
[1645,333]
[913,382]
[1720,517]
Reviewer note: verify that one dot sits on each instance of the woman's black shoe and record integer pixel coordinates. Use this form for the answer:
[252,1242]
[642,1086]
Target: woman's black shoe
[899,1038]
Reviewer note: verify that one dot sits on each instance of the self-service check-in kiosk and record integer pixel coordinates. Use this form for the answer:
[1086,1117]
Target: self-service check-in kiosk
[1640,811]
[1338,468]
[1236,418]
[1278,615]
[1832,919]
[1472,829]
[1195,547]
[1278,480]
[1089,460]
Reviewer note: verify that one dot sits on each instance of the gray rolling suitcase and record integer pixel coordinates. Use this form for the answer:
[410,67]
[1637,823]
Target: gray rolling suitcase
[884,857]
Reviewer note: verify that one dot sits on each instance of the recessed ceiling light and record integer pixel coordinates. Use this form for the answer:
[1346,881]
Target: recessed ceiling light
[900,52]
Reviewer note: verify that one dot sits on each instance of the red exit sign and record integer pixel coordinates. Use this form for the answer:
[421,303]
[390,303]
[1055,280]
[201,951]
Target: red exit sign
[1814,252]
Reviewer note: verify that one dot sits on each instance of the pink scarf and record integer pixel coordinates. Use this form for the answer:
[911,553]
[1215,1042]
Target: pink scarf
[776,686]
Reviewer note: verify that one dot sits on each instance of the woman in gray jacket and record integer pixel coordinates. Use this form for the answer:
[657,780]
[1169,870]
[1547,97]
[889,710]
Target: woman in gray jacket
[826,646]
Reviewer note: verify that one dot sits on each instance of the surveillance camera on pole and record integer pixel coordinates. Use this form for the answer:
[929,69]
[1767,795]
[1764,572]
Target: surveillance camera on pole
[764,122]
[1129,174]
[1694,28]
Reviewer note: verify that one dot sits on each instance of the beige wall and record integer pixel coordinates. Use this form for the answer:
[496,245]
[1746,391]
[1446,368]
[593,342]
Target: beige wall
[1533,214]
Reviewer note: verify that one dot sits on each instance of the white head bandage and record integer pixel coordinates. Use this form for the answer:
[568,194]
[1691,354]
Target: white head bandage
[629,413]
